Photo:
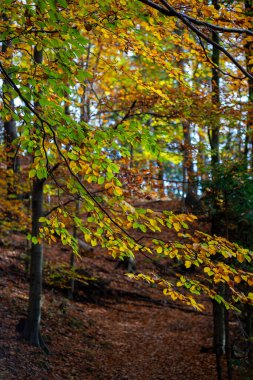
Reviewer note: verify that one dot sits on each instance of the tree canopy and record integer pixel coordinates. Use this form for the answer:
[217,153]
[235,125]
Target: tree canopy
[108,101]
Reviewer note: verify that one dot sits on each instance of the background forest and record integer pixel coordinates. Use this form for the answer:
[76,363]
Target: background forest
[126,132]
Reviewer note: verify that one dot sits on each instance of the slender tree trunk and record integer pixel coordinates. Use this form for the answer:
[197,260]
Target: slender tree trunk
[10,129]
[228,343]
[189,184]
[201,158]
[219,326]
[249,56]
[191,189]
[160,181]
[248,309]
[32,325]
[214,129]
[219,331]
[72,256]
[85,99]
[131,159]
[152,174]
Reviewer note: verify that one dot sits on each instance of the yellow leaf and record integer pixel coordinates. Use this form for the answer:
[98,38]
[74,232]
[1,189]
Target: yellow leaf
[240,258]
[212,249]
[80,90]
[173,296]
[88,170]
[87,238]
[159,250]
[217,278]
[187,264]
[226,277]
[8,117]
[108,185]
[177,226]
[118,191]
[93,242]
[74,167]
[153,222]
[250,296]
[237,279]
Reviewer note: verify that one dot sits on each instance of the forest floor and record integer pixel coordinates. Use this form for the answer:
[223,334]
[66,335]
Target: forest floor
[118,329]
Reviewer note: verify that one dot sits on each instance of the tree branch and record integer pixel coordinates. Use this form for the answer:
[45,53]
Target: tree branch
[125,117]
[188,21]
[58,206]
[75,176]
[212,63]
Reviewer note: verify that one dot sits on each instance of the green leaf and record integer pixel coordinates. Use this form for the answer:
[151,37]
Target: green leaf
[101,180]
[63,3]
[143,228]
[73,156]
[42,173]
[32,173]
[100,231]
[34,240]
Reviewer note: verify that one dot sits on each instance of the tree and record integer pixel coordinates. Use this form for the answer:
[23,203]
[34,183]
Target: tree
[32,326]
[110,103]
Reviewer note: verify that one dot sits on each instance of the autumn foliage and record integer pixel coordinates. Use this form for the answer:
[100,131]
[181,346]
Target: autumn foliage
[119,102]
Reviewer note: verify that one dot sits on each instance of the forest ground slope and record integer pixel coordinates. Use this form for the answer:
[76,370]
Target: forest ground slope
[119,329]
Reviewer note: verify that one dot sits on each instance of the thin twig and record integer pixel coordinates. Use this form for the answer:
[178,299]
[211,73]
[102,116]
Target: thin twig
[126,116]
[58,206]
[213,64]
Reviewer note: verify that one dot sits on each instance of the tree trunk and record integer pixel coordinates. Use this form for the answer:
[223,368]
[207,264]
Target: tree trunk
[191,188]
[189,184]
[248,309]
[219,326]
[32,326]
[202,158]
[214,129]
[219,331]
[160,176]
[10,129]
[249,56]
[72,256]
